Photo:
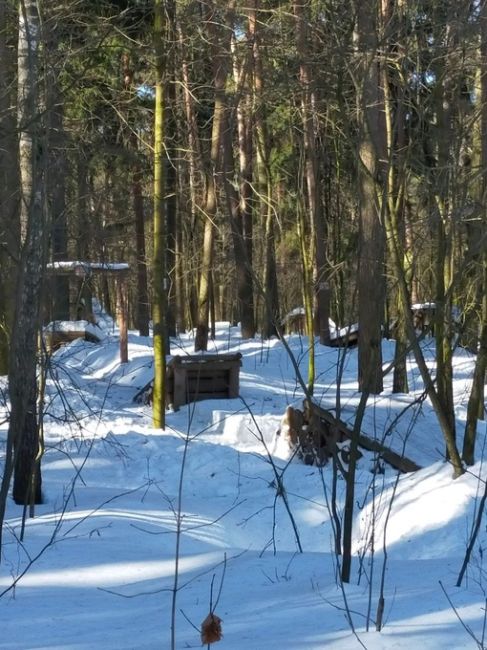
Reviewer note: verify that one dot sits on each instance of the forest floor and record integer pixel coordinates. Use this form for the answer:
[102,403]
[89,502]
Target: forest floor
[96,568]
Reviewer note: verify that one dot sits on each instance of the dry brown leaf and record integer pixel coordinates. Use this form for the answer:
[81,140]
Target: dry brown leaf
[211,629]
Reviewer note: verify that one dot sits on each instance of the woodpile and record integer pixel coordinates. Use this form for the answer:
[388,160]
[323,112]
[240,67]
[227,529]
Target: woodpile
[313,438]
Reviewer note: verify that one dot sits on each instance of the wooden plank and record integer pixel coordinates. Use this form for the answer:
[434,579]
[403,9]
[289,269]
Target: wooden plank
[346,340]
[402,463]
[206,359]
[198,397]
[179,392]
[207,368]
[215,374]
[207,384]
[234,382]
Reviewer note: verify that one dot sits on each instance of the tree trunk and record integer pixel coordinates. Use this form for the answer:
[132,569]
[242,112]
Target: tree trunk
[312,174]
[270,325]
[188,307]
[476,405]
[243,227]
[159,252]
[371,243]
[9,181]
[395,102]
[307,269]
[142,304]
[56,175]
[171,177]
[23,430]
[220,44]
[444,187]
[143,312]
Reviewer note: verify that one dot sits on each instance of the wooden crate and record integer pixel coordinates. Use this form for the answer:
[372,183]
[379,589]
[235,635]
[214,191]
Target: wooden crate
[198,377]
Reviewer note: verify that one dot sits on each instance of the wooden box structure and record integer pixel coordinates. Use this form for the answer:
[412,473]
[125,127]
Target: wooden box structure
[83,271]
[55,338]
[198,377]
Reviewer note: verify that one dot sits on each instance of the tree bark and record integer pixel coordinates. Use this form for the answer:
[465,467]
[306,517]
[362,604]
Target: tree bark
[159,252]
[142,303]
[242,229]
[9,186]
[220,46]
[23,430]
[270,324]
[476,405]
[312,174]
[371,174]
[171,172]
[57,171]
[143,312]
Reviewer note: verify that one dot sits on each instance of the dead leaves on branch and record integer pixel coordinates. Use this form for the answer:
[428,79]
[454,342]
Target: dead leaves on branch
[211,629]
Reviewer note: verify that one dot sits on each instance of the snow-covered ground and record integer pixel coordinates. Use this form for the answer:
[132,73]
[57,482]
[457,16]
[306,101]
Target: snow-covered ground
[97,566]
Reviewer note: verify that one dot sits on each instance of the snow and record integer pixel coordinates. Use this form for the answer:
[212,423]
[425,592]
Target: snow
[75,326]
[97,566]
[335,332]
[87,266]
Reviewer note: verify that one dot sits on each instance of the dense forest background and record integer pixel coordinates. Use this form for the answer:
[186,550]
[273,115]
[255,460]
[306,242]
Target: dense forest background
[247,158]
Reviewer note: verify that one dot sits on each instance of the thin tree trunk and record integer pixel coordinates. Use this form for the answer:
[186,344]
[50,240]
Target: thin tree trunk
[243,227]
[57,171]
[371,246]
[188,308]
[159,252]
[220,47]
[270,326]
[307,267]
[23,430]
[476,406]
[171,178]
[143,312]
[142,303]
[9,182]
[446,97]
[395,204]
[312,174]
